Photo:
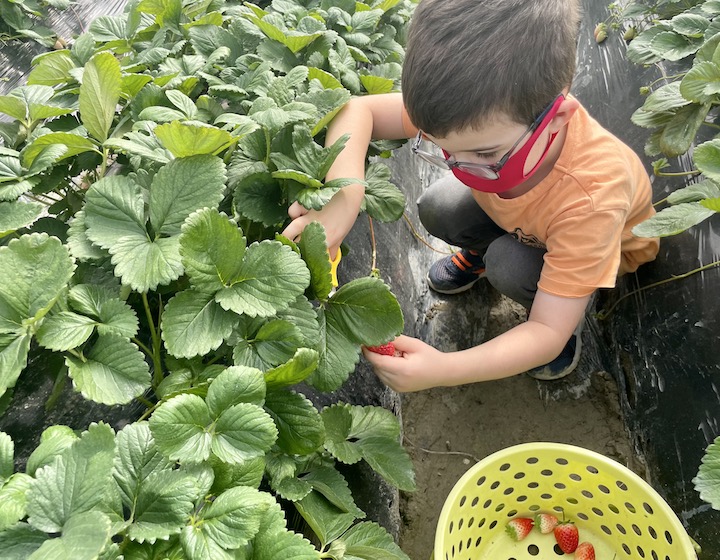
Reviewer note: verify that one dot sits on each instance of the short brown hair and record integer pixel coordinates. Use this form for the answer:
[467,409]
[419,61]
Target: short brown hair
[469,59]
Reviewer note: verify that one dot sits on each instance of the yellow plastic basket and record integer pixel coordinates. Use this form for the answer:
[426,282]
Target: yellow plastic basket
[613,508]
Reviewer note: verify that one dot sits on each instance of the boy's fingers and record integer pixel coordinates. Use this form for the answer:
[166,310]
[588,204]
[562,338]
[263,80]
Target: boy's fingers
[296,210]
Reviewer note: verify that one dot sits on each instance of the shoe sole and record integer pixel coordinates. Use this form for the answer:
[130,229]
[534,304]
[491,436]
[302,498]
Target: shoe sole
[459,290]
[568,370]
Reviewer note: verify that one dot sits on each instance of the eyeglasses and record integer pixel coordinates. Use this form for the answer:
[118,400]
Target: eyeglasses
[487,171]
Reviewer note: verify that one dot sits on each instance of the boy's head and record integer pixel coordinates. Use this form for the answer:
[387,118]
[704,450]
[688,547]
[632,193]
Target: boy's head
[468,60]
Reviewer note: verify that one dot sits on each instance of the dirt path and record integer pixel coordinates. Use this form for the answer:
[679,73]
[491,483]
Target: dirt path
[448,430]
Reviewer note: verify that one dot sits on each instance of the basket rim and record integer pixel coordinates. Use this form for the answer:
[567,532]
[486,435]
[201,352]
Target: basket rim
[545,446]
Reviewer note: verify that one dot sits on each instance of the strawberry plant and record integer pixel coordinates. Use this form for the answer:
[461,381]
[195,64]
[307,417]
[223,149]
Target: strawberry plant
[680,109]
[23,20]
[145,175]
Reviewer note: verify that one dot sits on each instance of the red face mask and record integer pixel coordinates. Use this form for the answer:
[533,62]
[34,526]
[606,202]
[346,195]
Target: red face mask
[512,172]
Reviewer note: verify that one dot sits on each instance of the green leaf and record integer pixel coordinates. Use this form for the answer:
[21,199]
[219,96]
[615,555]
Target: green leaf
[702,82]
[13,359]
[183,139]
[690,25]
[113,372]
[338,357]
[313,247]
[282,545]
[331,484]
[673,220]
[179,427]
[295,370]
[53,441]
[243,432]
[84,536]
[389,460]
[182,187]
[20,541]
[212,249]
[51,69]
[193,324]
[34,269]
[74,483]
[327,521]
[271,277]
[7,455]
[377,84]
[100,93]
[235,385]
[695,192]
[383,201]
[260,198]
[707,481]
[18,215]
[114,209]
[679,134]
[666,98]
[672,46]
[712,204]
[65,330]
[275,342]
[365,311]
[248,473]
[72,144]
[707,159]
[13,497]
[144,264]
[293,40]
[370,541]
[117,317]
[229,522]
[300,428]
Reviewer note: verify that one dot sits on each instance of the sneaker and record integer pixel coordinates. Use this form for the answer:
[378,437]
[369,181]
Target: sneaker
[456,273]
[564,364]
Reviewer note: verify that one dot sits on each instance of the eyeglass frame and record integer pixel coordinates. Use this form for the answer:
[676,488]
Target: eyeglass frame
[472,167]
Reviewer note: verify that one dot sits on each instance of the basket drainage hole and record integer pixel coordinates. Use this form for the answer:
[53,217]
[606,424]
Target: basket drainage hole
[533,550]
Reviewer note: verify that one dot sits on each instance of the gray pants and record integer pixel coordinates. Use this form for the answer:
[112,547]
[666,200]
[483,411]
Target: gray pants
[448,211]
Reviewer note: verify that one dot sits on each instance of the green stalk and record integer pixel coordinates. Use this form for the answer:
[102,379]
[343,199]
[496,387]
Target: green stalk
[156,342]
[605,313]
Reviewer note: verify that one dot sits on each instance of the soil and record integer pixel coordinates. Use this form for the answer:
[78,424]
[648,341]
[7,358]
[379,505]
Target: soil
[448,430]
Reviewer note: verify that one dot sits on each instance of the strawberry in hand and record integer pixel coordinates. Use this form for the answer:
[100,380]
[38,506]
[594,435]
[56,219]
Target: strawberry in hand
[385,349]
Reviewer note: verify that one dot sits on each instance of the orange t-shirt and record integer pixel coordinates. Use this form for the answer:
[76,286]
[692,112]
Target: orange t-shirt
[582,212]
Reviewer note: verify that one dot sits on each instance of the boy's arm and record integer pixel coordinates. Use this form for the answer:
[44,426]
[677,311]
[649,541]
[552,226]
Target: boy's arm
[364,118]
[536,342]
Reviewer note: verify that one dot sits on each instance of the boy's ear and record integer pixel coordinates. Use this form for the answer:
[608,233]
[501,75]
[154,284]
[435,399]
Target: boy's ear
[565,112]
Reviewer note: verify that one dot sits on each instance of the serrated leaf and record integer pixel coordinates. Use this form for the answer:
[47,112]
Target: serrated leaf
[65,330]
[179,427]
[13,497]
[243,432]
[370,541]
[338,357]
[100,93]
[282,545]
[34,269]
[331,484]
[295,370]
[17,215]
[389,460]
[84,536]
[701,83]
[184,140]
[51,69]
[229,522]
[680,132]
[673,46]
[7,457]
[182,187]
[193,324]
[383,201]
[113,372]
[707,159]
[248,473]
[365,311]
[143,264]
[326,521]
[117,317]
[71,144]
[212,249]
[53,441]
[338,422]
[114,208]
[695,192]
[274,343]
[673,220]
[300,428]
[707,480]
[77,482]
[20,541]
[260,198]
[313,247]
[270,278]
[235,385]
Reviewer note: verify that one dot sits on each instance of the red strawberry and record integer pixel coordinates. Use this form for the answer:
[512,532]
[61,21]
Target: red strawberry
[385,349]
[519,528]
[546,522]
[566,535]
[585,551]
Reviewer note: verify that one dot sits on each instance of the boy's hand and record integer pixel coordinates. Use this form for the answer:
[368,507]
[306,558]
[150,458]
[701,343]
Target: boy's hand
[415,367]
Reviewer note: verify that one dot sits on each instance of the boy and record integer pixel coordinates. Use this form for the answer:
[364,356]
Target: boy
[540,198]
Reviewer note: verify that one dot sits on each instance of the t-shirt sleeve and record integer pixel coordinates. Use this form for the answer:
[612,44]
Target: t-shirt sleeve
[583,253]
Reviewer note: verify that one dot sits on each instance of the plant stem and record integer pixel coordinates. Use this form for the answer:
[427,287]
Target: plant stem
[420,238]
[605,313]
[146,402]
[677,173]
[373,263]
[157,362]
[143,347]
